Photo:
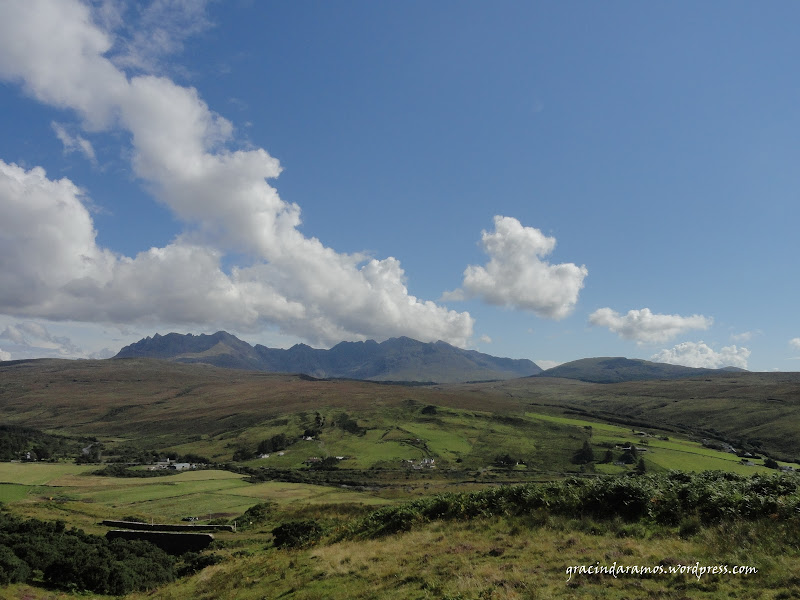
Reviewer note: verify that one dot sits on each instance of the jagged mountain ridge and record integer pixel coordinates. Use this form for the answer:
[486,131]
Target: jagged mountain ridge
[396,359]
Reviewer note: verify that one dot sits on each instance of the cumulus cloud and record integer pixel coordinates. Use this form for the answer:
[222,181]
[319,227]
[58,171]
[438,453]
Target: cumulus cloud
[699,354]
[4,355]
[646,327]
[52,267]
[517,276]
[47,240]
[795,343]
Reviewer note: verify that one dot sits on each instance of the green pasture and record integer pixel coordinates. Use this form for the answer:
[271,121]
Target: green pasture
[375,446]
[673,454]
[14,492]
[395,434]
[35,473]
[291,493]
[440,441]
[61,490]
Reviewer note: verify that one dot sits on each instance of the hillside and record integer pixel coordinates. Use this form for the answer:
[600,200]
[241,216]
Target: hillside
[761,410]
[619,369]
[396,359]
[385,433]
[214,412]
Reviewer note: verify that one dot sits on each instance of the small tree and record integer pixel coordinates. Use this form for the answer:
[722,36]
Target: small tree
[585,455]
[629,456]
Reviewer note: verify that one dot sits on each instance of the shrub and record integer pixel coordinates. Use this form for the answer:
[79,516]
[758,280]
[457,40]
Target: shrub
[297,534]
[256,515]
[12,569]
[75,560]
[195,561]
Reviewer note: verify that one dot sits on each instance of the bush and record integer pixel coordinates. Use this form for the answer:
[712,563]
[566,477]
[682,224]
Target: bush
[243,454]
[684,499]
[297,534]
[195,561]
[71,559]
[12,569]
[256,515]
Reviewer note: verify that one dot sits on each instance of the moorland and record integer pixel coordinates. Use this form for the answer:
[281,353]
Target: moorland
[353,489]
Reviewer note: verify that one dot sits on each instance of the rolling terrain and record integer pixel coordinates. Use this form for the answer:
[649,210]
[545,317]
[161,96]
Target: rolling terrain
[214,412]
[619,369]
[411,507]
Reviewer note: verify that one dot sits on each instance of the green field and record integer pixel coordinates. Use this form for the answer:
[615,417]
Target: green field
[675,453]
[63,489]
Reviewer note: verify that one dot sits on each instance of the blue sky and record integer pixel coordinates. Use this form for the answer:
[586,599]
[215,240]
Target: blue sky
[535,180]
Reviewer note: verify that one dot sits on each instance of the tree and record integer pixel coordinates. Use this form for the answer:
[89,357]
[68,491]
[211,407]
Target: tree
[585,455]
[630,455]
[242,454]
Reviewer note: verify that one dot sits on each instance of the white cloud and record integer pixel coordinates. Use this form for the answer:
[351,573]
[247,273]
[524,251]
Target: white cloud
[147,33]
[698,354]
[516,275]
[745,336]
[795,343]
[645,326]
[485,339]
[52,267]
[74,143]
[47,240]
[104,353]
[4,355]
[34,339]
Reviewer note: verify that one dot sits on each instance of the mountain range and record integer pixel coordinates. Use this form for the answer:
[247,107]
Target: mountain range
[396,359]
[399,359]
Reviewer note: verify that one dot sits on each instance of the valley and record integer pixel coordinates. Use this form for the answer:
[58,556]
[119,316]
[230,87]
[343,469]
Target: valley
[296,449]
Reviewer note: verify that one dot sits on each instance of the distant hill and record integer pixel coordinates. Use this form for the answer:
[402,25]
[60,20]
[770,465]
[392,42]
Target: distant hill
[396,359]
[618,369]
